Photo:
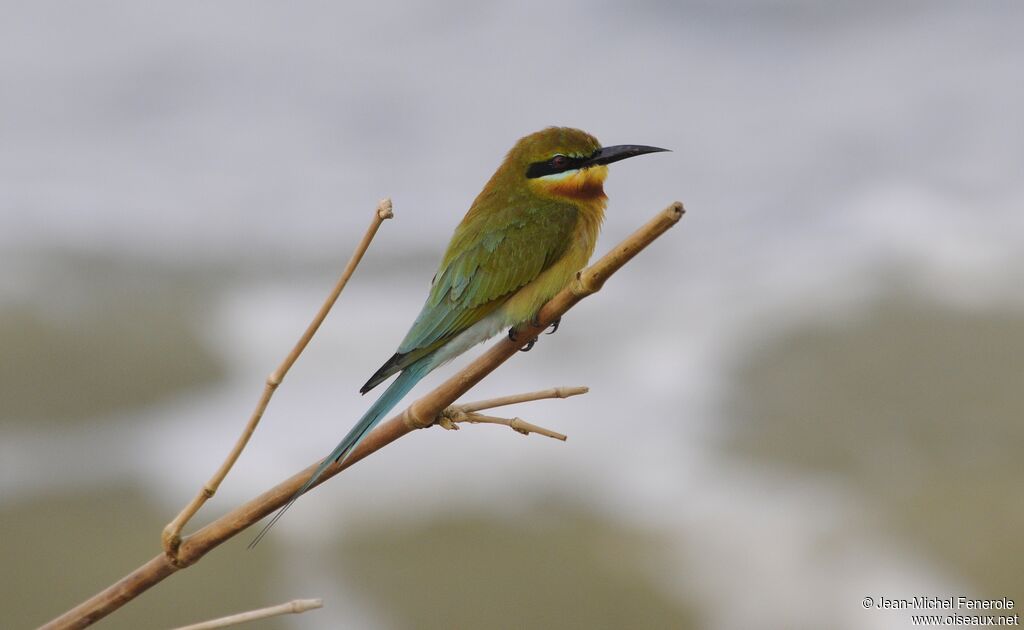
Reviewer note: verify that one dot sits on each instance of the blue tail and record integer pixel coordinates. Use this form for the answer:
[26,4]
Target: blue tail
[395,392]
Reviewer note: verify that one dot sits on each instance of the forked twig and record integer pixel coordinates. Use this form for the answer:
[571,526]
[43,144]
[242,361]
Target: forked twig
[294,607]
[171,535]
[467,412]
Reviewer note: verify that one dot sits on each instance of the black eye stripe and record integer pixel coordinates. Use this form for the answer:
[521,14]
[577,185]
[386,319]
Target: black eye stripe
[549,167]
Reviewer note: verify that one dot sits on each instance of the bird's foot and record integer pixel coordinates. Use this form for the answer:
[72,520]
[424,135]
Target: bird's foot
[514,337]
[529,345]
[535,322]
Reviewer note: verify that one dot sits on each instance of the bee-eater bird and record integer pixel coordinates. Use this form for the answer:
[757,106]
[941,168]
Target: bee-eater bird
[532,227]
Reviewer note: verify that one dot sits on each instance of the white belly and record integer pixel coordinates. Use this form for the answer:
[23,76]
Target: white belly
[477,333]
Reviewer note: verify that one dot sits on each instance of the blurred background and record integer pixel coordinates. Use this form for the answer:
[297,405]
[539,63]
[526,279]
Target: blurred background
[807,393]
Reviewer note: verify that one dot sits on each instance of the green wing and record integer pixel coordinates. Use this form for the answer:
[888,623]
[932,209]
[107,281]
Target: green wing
[489,258]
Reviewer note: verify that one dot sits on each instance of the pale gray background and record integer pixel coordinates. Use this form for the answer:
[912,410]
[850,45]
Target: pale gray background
[181,182]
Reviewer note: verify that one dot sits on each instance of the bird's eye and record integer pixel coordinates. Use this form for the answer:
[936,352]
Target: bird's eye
[559,161]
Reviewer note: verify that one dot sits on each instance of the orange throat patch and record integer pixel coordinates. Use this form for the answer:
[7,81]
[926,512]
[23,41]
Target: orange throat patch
[587,184]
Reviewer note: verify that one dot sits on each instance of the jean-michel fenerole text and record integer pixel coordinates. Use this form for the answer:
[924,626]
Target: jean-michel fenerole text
[961,602]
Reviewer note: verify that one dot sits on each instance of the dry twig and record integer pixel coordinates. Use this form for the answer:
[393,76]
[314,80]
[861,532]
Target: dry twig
[466,412]
[171,536]
[420,414]
[293,607]
[491,403]
[516,424]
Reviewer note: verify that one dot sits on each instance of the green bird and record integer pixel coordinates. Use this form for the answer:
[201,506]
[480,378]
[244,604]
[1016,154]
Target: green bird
[532,227]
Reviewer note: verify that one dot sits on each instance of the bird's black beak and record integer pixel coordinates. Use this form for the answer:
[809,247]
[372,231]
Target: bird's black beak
[607,155]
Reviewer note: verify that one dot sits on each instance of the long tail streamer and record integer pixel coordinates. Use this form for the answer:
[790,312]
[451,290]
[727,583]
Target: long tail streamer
[391,397]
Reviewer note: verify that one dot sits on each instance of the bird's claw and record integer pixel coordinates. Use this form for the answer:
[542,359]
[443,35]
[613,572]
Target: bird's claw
[535,322]
[514,336]
[529,345]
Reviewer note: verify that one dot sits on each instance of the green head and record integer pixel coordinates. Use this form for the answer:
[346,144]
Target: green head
[564,162]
